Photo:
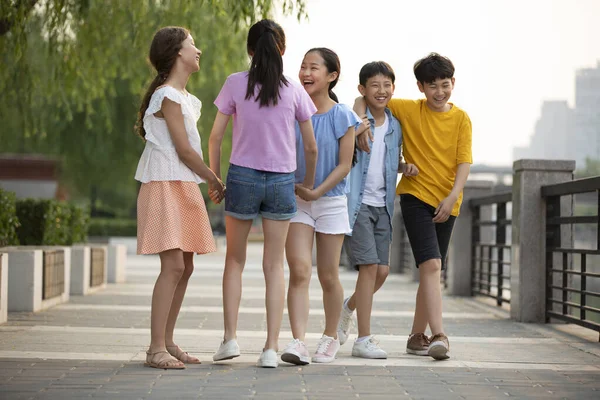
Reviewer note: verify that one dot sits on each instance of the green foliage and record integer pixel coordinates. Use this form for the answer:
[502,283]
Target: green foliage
[591,168]
[8,219]
[44,222]
[73,74]
[80,220]
[112,227]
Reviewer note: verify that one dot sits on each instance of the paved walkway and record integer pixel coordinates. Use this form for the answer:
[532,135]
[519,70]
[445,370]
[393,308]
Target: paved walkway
[93,347]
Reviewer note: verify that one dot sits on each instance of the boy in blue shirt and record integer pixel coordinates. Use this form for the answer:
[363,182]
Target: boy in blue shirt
[371,205]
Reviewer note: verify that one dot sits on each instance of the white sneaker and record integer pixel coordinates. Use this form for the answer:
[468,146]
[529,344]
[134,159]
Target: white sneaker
[368,348]
[268,359]
[326,350]
[345,324]
[227,351]
[296,353]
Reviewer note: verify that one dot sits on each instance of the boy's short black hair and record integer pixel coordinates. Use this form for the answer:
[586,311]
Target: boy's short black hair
[375,68]
[433,67]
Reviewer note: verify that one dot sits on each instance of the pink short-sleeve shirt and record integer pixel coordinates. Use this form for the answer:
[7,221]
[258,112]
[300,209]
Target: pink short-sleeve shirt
[264,138]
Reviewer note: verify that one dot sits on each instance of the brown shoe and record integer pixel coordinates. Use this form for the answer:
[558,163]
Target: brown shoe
[439,347]
[418,344]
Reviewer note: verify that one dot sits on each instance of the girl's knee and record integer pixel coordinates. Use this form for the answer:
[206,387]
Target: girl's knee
[300,276]
[329,281]
[431,266]
[188,271]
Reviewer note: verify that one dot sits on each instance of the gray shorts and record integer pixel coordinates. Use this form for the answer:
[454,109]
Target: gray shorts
[371,237]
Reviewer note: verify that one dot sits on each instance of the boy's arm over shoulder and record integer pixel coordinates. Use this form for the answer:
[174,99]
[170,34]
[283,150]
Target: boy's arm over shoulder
[401,108]
[464,152]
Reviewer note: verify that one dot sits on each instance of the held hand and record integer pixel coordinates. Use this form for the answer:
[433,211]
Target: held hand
[305,193]
[216,190]
[362,139]
[442,212]
[410,170]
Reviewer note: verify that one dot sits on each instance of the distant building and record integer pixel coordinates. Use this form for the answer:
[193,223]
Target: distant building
[587,114]
[565,133]
[551,136]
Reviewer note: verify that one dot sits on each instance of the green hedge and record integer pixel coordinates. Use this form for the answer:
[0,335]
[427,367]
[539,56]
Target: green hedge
[8,219]
[112,227]
[80,222]
[50,222]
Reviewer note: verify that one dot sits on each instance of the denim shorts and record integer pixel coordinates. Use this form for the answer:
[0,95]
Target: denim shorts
[428,240]
[251,192]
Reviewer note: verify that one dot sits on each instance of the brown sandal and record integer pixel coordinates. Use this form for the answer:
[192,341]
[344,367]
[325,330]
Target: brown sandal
[163,362]
[180,355]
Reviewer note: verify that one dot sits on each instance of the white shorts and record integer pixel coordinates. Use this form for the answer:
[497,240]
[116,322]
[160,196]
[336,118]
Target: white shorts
[327,215]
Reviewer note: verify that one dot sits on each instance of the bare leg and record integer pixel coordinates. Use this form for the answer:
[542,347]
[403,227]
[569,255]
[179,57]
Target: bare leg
[365,286]
[171,270]
[188,261]
[429,298]
[275,234]
[298,249]
[329,249]
[237,240]
[382,273]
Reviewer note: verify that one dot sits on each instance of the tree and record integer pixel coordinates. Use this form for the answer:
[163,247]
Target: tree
[73,72]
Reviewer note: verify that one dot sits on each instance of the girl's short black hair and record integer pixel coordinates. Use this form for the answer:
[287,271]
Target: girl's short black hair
[433,67]
[375,68]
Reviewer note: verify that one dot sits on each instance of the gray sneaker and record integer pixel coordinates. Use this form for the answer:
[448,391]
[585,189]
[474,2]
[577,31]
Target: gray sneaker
[418,344]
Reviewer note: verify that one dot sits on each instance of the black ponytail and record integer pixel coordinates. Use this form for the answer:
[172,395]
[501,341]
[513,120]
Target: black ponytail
[266,43]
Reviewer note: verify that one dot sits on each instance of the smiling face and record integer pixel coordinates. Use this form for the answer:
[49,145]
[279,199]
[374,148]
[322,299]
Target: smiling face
[437,93]
[314,75]
[190,54]
[378,91]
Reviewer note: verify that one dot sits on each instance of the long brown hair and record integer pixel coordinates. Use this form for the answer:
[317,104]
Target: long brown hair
[163,53]
[266,42]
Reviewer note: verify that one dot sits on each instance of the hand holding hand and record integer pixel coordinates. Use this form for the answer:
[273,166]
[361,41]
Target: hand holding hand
[216,190]
[305,193]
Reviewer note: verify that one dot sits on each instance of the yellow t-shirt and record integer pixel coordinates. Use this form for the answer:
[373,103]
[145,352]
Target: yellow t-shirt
[436,142]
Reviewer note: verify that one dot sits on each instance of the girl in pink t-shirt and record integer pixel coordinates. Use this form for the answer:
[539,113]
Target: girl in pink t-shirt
[264,106]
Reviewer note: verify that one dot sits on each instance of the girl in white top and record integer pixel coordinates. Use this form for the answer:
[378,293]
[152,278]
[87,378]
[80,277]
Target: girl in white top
[172,217]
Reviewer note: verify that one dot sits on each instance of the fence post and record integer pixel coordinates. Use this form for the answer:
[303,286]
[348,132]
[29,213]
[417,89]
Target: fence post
[459,271]
[528,258]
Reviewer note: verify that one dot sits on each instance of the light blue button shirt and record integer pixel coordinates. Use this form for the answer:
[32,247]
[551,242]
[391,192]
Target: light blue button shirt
[358,174]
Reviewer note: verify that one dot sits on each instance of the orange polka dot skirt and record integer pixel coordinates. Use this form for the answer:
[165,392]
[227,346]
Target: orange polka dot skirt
[172,215]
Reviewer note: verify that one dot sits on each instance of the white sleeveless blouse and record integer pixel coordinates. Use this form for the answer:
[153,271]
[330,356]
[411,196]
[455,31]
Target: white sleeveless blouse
[159,161]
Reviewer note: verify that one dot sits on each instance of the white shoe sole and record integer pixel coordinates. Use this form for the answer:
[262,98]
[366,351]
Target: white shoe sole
[323,360]
[226,356]
[438,351]
[377,357]
[294,358]
[266,364]
[417,352]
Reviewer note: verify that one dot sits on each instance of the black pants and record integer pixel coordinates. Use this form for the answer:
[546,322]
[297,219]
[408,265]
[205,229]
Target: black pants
[428,240]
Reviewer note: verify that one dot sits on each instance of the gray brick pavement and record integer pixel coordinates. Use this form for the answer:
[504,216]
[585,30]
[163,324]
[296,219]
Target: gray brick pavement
[97,351]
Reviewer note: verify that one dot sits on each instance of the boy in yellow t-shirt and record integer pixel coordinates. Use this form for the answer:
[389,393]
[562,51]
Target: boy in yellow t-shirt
[437,139]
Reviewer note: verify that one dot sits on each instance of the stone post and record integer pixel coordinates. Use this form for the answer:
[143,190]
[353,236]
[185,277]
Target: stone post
[528,258]
[459,271]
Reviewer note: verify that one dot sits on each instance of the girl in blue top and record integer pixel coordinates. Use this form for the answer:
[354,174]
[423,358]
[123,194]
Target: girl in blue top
[322,211]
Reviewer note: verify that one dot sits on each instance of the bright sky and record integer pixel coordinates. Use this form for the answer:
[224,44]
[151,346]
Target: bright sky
[509,55]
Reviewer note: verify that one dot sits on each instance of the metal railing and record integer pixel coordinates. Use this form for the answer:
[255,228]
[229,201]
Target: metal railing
[53,274]
[490,253]
[564,300]
[97,266]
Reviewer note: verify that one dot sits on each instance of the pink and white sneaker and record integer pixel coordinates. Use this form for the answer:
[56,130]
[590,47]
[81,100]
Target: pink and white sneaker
[296,353]
[326,350]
